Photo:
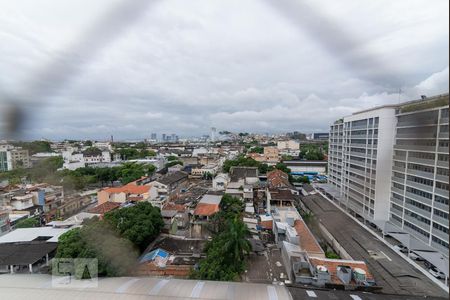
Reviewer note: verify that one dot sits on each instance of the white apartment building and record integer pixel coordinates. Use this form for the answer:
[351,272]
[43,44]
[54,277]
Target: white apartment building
[360,159]
[390,165]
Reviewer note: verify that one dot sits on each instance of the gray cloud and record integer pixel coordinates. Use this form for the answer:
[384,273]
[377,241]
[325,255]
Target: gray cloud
[236,65]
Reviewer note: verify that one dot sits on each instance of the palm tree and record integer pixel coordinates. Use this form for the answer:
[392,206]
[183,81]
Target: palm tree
[235,243]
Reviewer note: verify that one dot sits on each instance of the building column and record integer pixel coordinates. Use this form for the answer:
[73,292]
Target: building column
[11,267]
[46,259]
[30,266]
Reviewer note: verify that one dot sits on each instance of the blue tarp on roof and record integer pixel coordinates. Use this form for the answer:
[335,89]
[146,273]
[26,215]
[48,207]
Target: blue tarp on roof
[154,254]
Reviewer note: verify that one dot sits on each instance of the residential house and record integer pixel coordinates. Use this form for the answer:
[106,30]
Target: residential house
[170,185]
[103,208]
[288,147]
[126,193]
[220,182]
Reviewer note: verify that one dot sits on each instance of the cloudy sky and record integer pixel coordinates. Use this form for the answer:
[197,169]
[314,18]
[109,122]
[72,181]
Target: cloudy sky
[89,69]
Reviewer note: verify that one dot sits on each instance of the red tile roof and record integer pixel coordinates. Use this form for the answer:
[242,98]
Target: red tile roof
[129,189]
[104,208]
[307,241]
[206,209]
[278,178]
[173,206]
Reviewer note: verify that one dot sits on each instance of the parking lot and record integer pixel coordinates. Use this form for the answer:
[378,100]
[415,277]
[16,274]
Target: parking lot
[391,272]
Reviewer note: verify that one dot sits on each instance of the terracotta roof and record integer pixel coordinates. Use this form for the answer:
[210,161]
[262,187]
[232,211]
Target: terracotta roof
[129,189]
[307,241]
[173,206]
[205,209]
[332,265]
[277,179]
[104,208]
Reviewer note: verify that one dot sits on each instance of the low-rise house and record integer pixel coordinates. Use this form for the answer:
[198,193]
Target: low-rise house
[169,185]
[220,182]
[246,175]
[279,198]
[207,207]
[289,147]
[126,193]
[169,218]
[206,169]
[103,208]
[182,215]
[175,168]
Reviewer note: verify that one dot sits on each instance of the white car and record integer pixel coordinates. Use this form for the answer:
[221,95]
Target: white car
[414,256]
[436,273]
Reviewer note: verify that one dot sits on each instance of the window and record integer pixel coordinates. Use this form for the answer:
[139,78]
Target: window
[415,228]
[418,217]
[418,205]
[439,241]
[420,180]
[440,227]
[441,185]
[418,192]
[440,213]
[441,199]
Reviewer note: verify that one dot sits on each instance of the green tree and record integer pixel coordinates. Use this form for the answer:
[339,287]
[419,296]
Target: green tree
[28,222]
[92,151]
[257,149]
[141,223]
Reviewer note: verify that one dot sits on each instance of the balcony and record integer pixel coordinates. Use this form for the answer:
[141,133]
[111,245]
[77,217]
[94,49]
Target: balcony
[441,220]
[398,169]
[356,171]
[359,136]
[441,192]
[439,233]
[416,222]
[443,135]
[427,175]
[417,210]
[397,212]
[442,163]
[442,178]
[358,154]
[440,206]
[415,147]
[397,191]
[416,135]
[397,201]
[417,123]
[357,162]
[398,180]
[419,186]
[418,198]
[443,149]
[428,162]
[400,158]
[355,188]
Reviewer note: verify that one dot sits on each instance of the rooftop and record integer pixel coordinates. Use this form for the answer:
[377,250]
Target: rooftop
[173,177]
[307,241]
[128,189]
[24,253]
[237,173]
[104,208]
[29,234]
[332,264]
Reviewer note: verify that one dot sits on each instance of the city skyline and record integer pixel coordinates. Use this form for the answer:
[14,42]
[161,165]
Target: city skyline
[185,68]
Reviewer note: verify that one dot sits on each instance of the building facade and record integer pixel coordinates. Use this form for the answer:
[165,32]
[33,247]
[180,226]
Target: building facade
[391,164]
[420,175]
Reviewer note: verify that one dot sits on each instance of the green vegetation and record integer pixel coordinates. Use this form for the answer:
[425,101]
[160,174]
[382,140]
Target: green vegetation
[34,147]
[140,223]
[331,254]
[135,153]
[300,179]
[28,223]
[46,171]
[115,241]
[287,157]
[441,101]
[257,149]
[312,152]
[226,252]
[92,151]
[242,161]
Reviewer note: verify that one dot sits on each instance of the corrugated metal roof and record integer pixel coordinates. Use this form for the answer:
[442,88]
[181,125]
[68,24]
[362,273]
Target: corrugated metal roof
[39,286]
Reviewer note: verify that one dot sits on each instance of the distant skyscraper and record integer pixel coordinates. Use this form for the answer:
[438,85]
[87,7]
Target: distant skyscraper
[173,137]
[164,137]
[153,136]
[213,134]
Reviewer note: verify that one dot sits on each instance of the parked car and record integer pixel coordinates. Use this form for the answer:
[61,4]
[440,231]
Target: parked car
[401,248]
[429,265]
[436,273]
[414,256]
